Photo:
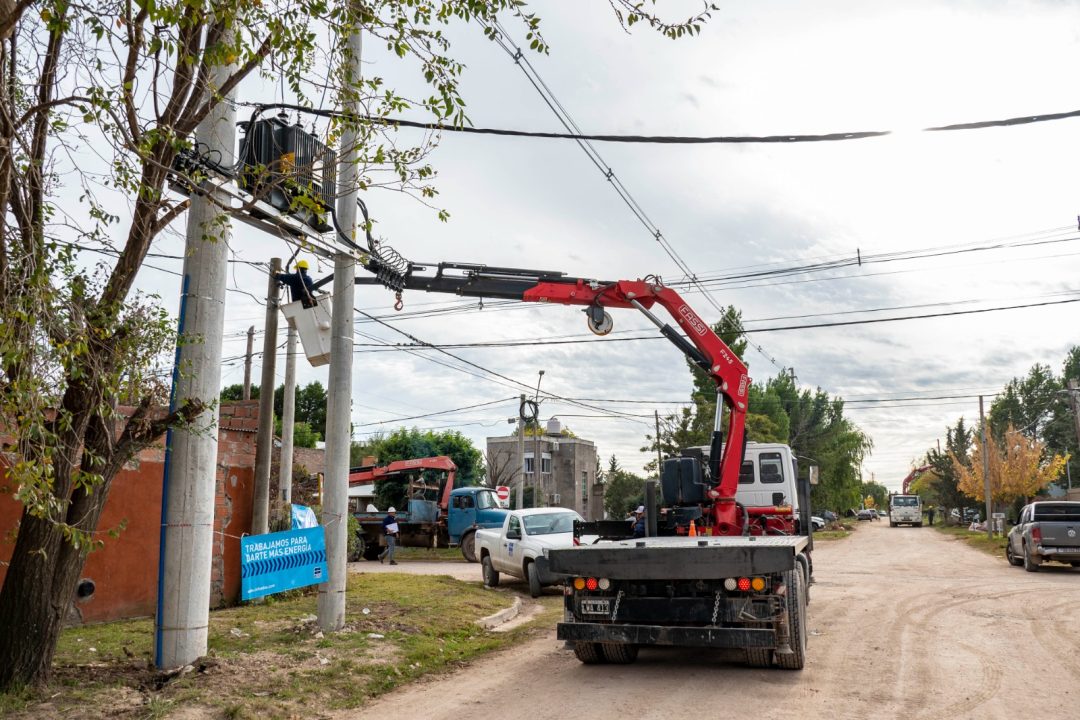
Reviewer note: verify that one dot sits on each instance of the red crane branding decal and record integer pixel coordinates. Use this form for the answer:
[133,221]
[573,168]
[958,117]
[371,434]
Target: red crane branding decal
[692,320]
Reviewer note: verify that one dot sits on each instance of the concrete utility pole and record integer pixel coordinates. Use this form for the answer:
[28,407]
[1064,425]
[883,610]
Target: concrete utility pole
[1074,402]
[331,604]
[659,456]
[288,416]
[187,512]
[986,471]
[264,441]
[521,452]
[538,479]
[247,362]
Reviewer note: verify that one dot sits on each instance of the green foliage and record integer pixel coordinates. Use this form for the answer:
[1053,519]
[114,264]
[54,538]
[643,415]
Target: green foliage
[623,491]
[940,485]
[878,492]
[409,443]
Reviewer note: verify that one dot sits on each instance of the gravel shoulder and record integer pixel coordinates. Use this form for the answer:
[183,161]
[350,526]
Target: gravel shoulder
[904,622]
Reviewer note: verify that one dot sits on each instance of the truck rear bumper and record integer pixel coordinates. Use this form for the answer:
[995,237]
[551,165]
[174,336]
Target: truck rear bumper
[714,637]
[1061,554]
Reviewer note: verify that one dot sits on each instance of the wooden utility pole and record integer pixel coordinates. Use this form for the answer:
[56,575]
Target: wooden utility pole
[264,441]
[247,362]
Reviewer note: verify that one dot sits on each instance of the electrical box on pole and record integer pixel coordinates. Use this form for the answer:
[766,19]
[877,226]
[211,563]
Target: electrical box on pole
[290,169]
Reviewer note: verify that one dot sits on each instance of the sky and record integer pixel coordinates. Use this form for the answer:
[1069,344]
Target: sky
[762,68]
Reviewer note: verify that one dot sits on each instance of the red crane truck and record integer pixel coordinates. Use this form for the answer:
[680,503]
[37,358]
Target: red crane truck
[729,574]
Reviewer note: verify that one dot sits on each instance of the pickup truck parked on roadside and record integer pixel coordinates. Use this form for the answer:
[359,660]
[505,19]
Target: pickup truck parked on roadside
[1046,531]
[517,548]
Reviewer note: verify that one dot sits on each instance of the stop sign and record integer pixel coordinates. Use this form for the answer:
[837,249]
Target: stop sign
[502,492]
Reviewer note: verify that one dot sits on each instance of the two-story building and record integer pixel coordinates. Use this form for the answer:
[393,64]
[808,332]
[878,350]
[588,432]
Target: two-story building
[567,468]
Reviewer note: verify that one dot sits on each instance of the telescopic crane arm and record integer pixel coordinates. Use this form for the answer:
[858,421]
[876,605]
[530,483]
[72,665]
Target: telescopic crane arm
[697,341]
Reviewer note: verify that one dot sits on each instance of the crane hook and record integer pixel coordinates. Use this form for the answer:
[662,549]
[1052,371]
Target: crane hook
[398,304]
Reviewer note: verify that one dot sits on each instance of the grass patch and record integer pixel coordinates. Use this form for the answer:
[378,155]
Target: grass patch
[270,660]
[977,540]
[832,534]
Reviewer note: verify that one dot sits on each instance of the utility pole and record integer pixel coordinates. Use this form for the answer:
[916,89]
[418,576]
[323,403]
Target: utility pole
[538,480]
[986,471]
[1074,402]
[190,478]
[521,452]
[264,441]
[288,417]
[659,456]
[247,362]
[331,603]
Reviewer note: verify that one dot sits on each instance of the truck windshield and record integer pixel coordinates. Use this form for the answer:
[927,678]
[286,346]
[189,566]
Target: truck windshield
[905,501]
[550,523]
[486,499]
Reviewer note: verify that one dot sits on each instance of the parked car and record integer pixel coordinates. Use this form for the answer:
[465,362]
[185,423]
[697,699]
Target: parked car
[882,514]
[867,514]
[1045,531]
[817,522]
[829,516]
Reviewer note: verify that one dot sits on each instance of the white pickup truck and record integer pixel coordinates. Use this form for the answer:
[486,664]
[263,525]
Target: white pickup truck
[517,548]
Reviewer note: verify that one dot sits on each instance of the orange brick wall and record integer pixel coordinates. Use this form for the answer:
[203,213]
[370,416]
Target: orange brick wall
[125,570]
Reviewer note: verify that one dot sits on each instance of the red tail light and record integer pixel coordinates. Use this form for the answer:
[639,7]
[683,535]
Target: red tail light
[1036,534]
[591,584]
[744,584]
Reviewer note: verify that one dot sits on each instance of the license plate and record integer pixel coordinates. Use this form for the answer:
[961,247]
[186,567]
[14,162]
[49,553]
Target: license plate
[595,607]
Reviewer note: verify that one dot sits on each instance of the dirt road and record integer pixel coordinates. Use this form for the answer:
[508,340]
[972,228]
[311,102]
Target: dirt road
[904,623]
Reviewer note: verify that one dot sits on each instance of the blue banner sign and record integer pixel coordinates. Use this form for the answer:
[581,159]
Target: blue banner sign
[282,561]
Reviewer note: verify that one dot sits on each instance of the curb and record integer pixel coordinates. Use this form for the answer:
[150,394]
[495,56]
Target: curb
[492,621]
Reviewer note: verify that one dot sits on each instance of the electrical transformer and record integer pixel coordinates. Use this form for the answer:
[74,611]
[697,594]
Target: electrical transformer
[290,169]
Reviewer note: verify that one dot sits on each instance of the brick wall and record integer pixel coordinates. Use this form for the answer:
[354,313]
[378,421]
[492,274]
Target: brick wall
[125,570]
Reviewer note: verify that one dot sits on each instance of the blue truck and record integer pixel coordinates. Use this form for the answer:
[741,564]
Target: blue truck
[436,514]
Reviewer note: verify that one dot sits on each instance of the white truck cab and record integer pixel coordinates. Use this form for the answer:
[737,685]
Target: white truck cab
[905,510]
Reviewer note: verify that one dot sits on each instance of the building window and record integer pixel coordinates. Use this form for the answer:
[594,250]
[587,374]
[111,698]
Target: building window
[530,465]
[545,463]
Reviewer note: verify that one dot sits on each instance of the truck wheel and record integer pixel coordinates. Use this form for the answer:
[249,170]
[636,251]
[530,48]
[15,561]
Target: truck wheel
[533,575]
[759,657]
[468,547]
[796,617]
[491,575]
[918,524]
[588,652]
[1011,557]
[1030,564]
[618,653]
[892,524]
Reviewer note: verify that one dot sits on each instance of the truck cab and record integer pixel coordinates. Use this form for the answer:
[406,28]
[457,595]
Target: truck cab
[905,510]
[472,508]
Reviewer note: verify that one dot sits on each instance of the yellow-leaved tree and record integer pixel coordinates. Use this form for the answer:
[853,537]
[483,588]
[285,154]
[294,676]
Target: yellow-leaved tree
[1016,468]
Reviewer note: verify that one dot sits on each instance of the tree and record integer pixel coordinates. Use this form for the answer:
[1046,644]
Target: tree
[409,443]
[1016,468]
[502,467]
[623,491]
[132,81]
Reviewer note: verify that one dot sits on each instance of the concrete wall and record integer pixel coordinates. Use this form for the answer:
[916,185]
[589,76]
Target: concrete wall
[125,569]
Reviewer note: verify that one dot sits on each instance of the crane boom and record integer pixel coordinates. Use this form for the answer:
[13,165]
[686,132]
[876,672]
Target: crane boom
[697,341]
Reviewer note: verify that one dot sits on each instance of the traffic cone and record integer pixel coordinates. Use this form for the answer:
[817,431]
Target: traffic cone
[693,529]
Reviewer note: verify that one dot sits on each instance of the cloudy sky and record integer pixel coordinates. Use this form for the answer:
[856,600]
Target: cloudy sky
[768,67]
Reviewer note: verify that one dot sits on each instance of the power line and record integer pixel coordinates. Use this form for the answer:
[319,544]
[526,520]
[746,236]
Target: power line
[439,412]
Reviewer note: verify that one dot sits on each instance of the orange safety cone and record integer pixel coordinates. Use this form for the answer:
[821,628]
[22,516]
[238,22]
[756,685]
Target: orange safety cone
[693,529]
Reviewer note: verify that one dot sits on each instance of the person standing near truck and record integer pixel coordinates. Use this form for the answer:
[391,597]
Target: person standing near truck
[390,531]
[930,514]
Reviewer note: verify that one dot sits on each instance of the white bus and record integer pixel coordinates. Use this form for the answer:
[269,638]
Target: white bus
[905,510]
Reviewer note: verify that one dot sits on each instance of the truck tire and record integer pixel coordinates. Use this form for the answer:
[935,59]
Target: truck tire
[892,524]
[1011,557]
[491,575]
[588,652]
[468,546]
[918,524]
[533,576]
[759,657]
[618,653]
[371,551]
[796,617]
[1030,564]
